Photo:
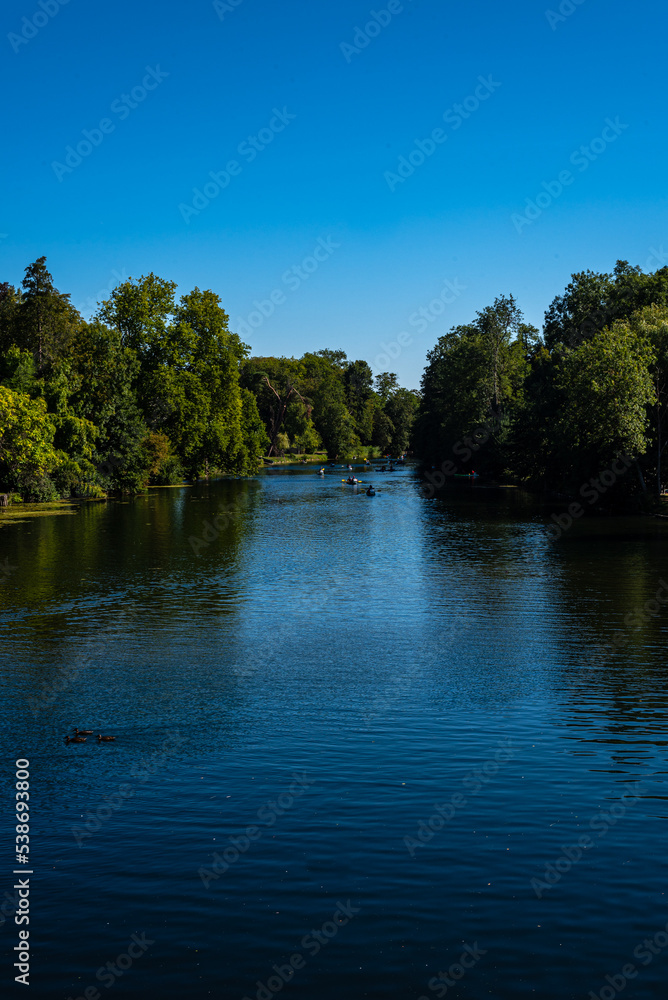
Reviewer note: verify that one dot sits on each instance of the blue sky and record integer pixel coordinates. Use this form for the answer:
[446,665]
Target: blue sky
[332,125]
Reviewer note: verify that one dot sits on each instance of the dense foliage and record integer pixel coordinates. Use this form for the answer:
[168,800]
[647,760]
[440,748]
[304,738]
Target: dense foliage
[558,410]
[154,389]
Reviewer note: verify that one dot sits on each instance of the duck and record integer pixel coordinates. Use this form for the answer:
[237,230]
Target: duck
[83,732]
[75,739]
[104,739]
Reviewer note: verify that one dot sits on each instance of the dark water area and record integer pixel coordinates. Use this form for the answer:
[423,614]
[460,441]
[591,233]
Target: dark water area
[412,726]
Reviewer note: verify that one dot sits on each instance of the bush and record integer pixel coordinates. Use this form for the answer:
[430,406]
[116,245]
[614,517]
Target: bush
[42,490]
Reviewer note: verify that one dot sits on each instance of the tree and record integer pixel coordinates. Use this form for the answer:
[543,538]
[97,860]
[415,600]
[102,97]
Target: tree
[255,438]
[336,427]
[607,388]
[358,384]
[336,359]
[401,409]
[475,377]
[383,431]
[276,383]
[46,321]
[593,301]
[27,454]
[141,311]
[106,395]
[651,324]
[497,326]
[386,384]
[206,422]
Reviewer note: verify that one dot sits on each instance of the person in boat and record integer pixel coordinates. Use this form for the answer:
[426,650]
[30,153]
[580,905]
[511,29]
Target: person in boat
[371,492]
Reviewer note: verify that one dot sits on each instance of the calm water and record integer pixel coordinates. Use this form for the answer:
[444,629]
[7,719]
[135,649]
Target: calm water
[383,650]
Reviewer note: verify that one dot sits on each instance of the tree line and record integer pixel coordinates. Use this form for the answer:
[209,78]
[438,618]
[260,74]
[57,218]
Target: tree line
[153,389]
[558,409]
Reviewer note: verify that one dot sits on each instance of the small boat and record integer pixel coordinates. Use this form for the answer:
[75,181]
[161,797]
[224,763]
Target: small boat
[351,481]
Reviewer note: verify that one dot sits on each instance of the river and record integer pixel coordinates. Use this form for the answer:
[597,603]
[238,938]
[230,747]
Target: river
[384,739]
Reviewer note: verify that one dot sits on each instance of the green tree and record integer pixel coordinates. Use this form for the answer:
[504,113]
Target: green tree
[45,320]
[607,387]
[593,301]
[383,431]
[206,422]
[385,384]
[401,409]
[106,395]
[277,384]
[27,454]
[651,324]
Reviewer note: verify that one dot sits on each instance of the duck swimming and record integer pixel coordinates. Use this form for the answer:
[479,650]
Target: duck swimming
[75,739]
[104,739]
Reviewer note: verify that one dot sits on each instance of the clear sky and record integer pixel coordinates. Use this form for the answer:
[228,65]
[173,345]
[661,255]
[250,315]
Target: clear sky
[316,116]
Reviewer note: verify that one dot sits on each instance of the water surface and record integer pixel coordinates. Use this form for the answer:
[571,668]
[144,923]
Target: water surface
[382,656]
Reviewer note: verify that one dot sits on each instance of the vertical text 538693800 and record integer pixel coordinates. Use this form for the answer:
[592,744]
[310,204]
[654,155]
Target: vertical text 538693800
[22,918]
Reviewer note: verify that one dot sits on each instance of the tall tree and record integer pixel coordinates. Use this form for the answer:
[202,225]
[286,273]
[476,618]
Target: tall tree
[46,320]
